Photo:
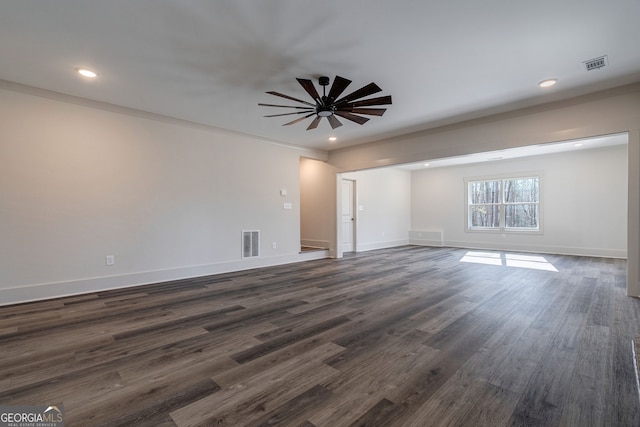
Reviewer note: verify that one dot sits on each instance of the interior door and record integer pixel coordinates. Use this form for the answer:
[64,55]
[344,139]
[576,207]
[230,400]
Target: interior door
[348,216]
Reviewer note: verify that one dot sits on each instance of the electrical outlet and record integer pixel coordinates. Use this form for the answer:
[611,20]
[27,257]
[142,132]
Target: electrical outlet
[110,260]
[273,245]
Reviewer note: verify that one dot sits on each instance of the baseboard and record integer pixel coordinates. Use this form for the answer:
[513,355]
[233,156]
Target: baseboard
[426,238]
[381,245]
[45,291]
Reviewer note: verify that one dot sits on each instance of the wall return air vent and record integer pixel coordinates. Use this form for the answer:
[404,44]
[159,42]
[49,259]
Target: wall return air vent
[250,243]
[596,63]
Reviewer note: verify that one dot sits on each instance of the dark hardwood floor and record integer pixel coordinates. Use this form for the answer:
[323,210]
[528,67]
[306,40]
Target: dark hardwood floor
[407,336]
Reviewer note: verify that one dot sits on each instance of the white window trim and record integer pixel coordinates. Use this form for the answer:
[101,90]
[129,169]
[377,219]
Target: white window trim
[502,229]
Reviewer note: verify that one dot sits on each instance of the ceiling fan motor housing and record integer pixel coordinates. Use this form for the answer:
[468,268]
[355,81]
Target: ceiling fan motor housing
[324,111]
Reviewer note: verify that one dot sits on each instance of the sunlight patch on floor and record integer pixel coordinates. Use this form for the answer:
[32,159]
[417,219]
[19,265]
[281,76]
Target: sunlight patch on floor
[489,258]
[534,262]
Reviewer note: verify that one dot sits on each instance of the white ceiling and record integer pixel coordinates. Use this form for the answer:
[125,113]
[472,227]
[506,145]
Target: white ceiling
[211,61]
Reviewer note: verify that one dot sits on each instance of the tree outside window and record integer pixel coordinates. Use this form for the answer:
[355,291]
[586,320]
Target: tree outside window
[504,204]
[521,201]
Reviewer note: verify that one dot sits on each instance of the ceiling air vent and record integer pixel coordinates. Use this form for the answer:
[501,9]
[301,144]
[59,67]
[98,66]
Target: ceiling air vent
[595,63]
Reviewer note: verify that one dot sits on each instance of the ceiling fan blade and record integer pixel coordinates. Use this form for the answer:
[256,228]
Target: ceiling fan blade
[383,100]
[334,122]
[368,111]
[367,90]
[290,97]
[284,106]
[299,120]
[286,114]
[314,123]
[338,86]
[352,117]
[309,87]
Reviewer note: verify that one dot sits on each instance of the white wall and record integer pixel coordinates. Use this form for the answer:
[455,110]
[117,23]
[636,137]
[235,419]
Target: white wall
[167,199]
[385,217]
[318,204]
[584,203]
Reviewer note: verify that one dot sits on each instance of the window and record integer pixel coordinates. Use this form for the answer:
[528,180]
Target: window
[506,204]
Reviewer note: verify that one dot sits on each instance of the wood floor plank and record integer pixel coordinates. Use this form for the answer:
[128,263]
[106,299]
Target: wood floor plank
[465,401]
[576,411]
[295,411]
[406,336]
[359,389]
[262,393]
[146,409]
[242,372]
[287,339]
[385,412]
[619,384]
[514,369]
[543,400]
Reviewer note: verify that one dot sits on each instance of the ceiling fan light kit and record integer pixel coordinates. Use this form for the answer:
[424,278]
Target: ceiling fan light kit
[330,105]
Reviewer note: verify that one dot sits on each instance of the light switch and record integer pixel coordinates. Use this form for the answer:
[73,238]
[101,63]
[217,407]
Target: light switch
[283,192]
[288,206]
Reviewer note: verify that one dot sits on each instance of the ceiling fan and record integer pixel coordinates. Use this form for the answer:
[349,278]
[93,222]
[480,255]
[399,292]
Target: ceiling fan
[330,105]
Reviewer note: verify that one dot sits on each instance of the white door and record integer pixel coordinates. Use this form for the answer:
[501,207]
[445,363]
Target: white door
[348,218]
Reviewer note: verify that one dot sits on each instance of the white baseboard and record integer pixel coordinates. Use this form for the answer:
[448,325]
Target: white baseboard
[381,245]
[426,238]
[45,291]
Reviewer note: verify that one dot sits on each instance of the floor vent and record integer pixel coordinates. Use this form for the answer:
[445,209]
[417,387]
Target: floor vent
[250,243]
[595,63]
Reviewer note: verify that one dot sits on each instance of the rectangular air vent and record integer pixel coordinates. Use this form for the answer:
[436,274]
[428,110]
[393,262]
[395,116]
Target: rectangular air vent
[595,63]
[250,243]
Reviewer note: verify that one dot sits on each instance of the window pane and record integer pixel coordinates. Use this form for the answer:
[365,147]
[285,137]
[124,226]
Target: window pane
[484,192]
[521,215]
[485,216]
[521,190]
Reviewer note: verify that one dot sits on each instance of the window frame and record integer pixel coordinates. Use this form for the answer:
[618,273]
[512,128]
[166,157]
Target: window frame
[502,228]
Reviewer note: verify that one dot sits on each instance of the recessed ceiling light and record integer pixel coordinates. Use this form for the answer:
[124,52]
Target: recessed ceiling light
[426,165]
[548,82]
[578,144]
[332,138]
[86,73]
